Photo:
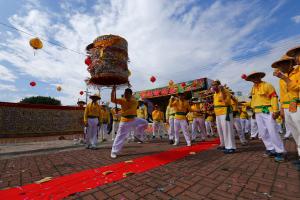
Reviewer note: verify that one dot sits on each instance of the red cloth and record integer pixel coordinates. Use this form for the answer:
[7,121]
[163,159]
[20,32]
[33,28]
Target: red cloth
[64,186]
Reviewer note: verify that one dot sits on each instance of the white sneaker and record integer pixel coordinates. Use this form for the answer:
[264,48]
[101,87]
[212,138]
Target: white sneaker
[175,143]
[113,155]
[189,144]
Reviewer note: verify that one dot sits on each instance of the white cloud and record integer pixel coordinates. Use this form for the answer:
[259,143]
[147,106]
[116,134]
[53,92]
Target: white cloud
[7,88]
[6,74]
[168,39]
[296,19]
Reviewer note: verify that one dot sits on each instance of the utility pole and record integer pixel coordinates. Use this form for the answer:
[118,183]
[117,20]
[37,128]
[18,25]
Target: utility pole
[86,95]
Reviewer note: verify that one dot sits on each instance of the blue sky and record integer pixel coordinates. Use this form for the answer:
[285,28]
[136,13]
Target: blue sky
[178,40]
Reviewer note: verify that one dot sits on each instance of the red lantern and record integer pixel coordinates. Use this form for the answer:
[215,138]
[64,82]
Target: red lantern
[152,79]
[88,61]
[244,76]
[32,83]
[81,92]
[183,84]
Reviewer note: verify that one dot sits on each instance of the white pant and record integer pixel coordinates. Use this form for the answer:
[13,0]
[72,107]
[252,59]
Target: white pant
[279,127]
[92,131]
[198,125]
[115,128]
[288,131]
[244,124]
[183,125]
[225,131]
[238,127]
[103,131]
[293,121]
[158,128]
[138,124]
[171,129]
[254,128]
[268,132]
[209,128]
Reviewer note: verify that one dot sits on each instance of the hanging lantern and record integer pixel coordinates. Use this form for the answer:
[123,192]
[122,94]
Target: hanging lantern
[36,43]
[32,84]
[81,92]
[88,61]
[152,79]
[58,88]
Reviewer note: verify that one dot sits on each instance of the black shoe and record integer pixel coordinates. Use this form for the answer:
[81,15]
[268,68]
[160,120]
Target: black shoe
[296,162]
[229,151]
[161,137]
[193,140]
[153,137]
[171,141]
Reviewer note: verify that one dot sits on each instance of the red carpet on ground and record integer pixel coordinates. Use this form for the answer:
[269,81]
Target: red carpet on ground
[64,186]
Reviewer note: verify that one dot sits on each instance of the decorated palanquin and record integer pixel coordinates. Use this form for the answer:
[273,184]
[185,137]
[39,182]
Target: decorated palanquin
[107,61]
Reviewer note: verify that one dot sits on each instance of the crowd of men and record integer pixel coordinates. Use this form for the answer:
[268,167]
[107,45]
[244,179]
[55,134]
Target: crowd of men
[262,116]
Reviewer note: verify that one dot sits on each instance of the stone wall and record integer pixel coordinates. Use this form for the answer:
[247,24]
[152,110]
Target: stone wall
[34,120]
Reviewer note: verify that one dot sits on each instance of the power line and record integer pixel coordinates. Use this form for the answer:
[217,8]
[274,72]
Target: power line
[52,43]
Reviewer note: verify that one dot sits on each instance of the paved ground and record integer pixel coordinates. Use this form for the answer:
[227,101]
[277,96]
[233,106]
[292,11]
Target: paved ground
[206,175]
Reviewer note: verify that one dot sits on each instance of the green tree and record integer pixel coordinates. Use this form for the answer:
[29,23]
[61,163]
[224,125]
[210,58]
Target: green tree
[41,100]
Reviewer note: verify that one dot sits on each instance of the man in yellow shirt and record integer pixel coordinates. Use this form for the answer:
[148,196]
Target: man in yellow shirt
[116,113]
[170,117]
[210,122]
[105,120]
[129,120]
[198,123]
[189,118]
[237,124]
[244,117]
[265,104]
[92,120]
[288,70]
[181,107]
[224,117]
[158,119]
[142,110]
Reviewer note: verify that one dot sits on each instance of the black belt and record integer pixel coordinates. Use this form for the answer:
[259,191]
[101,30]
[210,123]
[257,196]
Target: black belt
[92,117]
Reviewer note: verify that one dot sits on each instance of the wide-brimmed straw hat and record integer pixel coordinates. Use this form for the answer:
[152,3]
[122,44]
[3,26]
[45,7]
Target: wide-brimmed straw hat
[255,75]
[216,83]
[285,61]
[95,96]
[292,52]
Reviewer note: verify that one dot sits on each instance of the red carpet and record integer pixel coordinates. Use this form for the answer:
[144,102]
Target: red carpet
[63,186]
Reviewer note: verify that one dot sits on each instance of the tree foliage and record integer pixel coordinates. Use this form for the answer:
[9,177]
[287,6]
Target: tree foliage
[41,100]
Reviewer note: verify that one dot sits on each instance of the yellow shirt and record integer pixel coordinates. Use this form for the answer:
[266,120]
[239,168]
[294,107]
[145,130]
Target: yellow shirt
[264,94]
[181,107]
[170,113]
[198,106]
[92,110]
[116,115]
[142,112]
[244,114]
[219,101]
[190,116]
[105,116]
[291,91]
[128,109]
[157,116]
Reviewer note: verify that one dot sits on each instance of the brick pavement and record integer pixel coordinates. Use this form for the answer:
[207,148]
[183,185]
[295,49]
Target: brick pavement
[206,175]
